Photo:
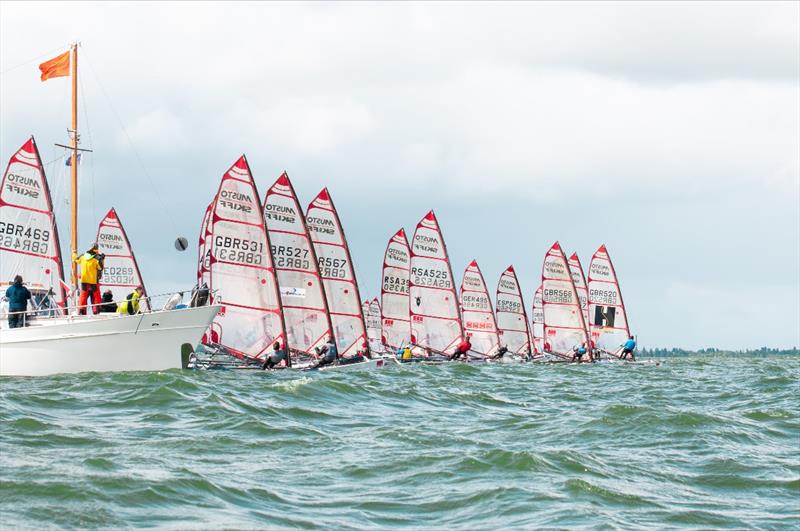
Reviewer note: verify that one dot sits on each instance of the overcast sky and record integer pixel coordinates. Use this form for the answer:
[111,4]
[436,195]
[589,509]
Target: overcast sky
[670,132]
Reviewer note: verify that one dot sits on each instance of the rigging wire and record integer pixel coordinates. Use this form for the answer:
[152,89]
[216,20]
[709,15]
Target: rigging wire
[153,186]
[29,61]
[91,143]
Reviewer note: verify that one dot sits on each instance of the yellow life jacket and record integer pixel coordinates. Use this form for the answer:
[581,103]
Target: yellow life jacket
[89,268]
[132,302]
[407,355]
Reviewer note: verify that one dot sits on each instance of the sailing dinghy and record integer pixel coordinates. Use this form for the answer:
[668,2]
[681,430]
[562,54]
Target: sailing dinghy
[55,341]
[608,319]
[341,286]
[305,306]
[436,327]
[121,272]
[395,318]
[537,324]
[564,324]
[477,313]
[512,319]
[372,317]
[240,271]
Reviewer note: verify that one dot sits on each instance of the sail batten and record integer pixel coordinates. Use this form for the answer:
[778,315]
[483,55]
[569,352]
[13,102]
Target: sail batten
[608,319]
[29,245]
[512,319]
[240,269]
[564,323]
[337,273]
[434,309]
[476,311]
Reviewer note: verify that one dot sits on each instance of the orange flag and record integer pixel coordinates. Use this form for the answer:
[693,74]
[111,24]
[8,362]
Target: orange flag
[55,67]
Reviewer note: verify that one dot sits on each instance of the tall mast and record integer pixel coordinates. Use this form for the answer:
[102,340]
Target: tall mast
[74,161]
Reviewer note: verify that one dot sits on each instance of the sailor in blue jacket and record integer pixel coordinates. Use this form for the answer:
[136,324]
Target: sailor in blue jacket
[18,297]
[628,348]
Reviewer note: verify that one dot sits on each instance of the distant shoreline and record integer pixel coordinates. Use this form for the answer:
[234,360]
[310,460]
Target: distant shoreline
[763,352]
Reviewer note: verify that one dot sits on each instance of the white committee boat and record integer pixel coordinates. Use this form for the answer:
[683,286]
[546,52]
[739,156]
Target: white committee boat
[53,340]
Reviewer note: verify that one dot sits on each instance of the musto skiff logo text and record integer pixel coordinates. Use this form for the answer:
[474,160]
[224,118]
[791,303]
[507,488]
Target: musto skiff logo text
[237,201]
[427,244]
[110,242]
[24,186]
[321,225]
[282,213]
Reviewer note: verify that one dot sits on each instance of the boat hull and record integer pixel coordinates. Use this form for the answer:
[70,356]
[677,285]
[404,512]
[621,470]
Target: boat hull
[104,343]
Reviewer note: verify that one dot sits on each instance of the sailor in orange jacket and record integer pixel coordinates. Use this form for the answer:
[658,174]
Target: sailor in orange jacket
[91,264]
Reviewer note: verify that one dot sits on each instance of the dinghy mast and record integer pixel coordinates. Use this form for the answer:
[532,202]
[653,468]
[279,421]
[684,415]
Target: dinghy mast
[241,274]
[477,313]
[121,272]
[512,319]
[33,249]
[338,275]
[305,306]
[435,315]
[395,319]
[564,325]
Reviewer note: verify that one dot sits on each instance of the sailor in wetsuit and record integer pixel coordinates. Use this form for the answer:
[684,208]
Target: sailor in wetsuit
[275,357]
[462,349]
[327,354]
[628,348]
[578,353]
[500,353]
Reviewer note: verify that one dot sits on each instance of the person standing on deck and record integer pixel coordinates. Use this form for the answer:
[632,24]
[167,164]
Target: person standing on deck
[91,266]
[628,348]
[18,297]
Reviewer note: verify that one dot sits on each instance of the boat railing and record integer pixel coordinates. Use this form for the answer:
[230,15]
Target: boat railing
[46,308]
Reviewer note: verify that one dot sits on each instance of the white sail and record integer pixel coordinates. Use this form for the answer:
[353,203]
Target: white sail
[435,316]
[564,326]
[608,318]
[372,317]
[120,272]
[395,319]
[476,311]
[242,277]
[537,318]
[579,279]
[338,276]
[204,249]
[305,308]
[29,243]
[512,319]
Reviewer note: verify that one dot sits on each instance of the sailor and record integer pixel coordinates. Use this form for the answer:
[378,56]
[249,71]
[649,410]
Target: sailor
[275,357]
[500,353]
[578,352]
[18,297]
[407,354]
[628,348]
[399,352]
[462,349]
[130,306]
[107,303]
[91,263]
[327,354]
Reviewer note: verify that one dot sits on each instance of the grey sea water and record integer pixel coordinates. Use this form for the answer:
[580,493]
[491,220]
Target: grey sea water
[704,442]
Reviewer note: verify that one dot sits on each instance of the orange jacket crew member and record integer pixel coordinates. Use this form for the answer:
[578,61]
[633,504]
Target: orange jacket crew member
[91,268]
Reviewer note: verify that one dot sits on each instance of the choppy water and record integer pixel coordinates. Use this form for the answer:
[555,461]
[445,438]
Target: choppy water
[694,443]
